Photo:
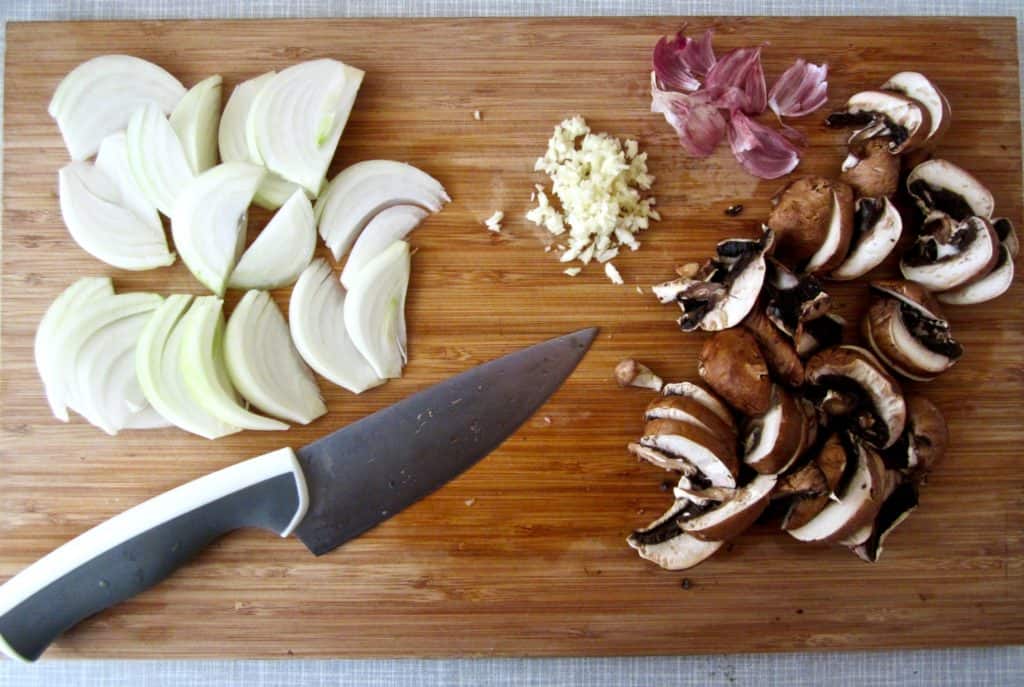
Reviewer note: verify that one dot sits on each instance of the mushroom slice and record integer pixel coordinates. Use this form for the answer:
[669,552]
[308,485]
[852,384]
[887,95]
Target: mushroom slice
[712,455]
[906,329]
[663,542]
[952,254]
[702,496]
[896,508]
[831,462]
[836,245]
[689,410]
[704,397]
[792,301]
[873,400]
[730,518]
[941,185]
[1007,235]
[812,218]
[992,285]
[631,373]
[772,441]
[879,114]
[662,460]
[923,443]
[877,228]
[822,332]
[732,364]
[871,170]
[917,86]
[862,489]
[779,352]
[724,290]
[808,481]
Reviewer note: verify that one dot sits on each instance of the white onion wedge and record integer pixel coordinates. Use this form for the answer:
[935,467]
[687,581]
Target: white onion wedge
[90,204]
[297,118]
[195,120]
[99,96]
[316,316]
[209,219]
[375,310]
[362,190]
[202,363]
[264,365]
[157,157]
[72,300]
[158,367]
[388,226]
[112,160]
[281,251]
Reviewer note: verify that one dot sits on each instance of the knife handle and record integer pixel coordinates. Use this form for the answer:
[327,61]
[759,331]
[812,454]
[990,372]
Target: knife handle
[135,550]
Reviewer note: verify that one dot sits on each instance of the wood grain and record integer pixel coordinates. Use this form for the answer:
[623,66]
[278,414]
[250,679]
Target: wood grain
[525,553]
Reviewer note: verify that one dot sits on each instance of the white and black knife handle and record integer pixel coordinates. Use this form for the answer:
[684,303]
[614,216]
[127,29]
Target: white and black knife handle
[135,550]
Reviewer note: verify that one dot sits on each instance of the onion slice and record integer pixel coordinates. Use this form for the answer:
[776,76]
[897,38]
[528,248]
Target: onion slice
[90,204]
[264,365]
[158,367]
[71,301]
[195,120]
[362,190]
[316,315]
[375,310]
[209,219]
[112,160]
[281,251]
[157,158]
[388,226]
[206,376]
[297,118]
[99,96]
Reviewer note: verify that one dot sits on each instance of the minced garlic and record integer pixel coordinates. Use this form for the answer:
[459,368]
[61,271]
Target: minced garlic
[598,181]
[493,223]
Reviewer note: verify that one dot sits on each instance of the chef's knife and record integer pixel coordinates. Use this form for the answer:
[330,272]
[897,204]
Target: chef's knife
[325,493]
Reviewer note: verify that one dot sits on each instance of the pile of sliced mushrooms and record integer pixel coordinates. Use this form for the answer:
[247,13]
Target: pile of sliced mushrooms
[787,411]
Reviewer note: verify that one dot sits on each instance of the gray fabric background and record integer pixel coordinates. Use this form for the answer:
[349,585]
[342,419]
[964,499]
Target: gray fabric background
[991,666]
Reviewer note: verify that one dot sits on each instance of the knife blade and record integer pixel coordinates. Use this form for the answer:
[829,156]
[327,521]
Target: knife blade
[326,493]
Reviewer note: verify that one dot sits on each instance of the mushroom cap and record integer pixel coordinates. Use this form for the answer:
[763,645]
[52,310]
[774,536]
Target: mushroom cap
[949,258]
[883,114]
[873,240]
[920,88]
[992,285]
[779,352]
[845,366]
[872,170]
[831,461]
[772,440]
[714,456]
[928,435]
[732,364]
[896,508]
[836,245]
[689,409]
[800,217]
[732,517]
[703,396]
[807,481]
[941,185]
[895,344]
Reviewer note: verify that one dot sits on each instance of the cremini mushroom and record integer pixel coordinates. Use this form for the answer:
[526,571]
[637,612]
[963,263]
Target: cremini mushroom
[732,364]
[830,461]
[871,169]
[663,460]
[923,443]
[868,541]
[812,218]
[689,409]
[877,229]
[631,373]
[664,543]
[921,89]
[778,350]
[728,519]
[714,456]
[992,285]
[943,186]
[902,121]
[706,398]
[950,253]
[773,440]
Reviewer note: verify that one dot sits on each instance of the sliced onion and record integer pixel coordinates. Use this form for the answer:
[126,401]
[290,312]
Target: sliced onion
[209,219]
[202,363]
[157,158]
[72,301]
[90,204]
[282,250]
[361,191]
[158,367]
[112,160]
[264,365]
[195,120]
[316,315]
[298,117]
[388,226]
[99,96]
[375,310]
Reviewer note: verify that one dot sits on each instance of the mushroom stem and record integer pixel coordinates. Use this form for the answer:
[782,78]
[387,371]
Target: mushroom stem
[631,373]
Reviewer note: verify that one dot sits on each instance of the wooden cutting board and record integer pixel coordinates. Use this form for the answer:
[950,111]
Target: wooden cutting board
[525,553]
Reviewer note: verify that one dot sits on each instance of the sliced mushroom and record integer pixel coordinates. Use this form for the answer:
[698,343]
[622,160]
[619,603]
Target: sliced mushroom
[822,332]
[877,229]
[688,489]
[952,253]
[906,329]
[859,496]
[663,460]
[663,542]
[779,351]
[1007,235]
[896,508]
[918,87]
[731,363]
[904,122]
[631,373]
[722,291]
[713,456]
[812,218]
[791,301]
[992,285]
[872,170]
[831,462]
[941,185]
[730,518]
[688,409]
[923,443]
[703,396]
[772,441]
[869,398]
[808,481]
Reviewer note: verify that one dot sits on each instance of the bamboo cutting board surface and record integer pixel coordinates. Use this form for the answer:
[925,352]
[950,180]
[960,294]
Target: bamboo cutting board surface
[525,553]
